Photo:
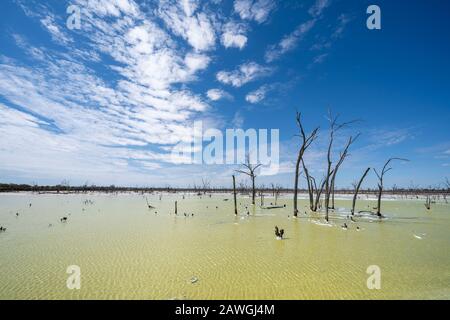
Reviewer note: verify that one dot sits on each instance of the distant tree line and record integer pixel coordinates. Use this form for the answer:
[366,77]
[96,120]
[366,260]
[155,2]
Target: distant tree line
[242,188]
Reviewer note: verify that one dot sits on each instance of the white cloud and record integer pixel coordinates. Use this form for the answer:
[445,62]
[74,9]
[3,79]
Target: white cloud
[245,73]
[257,95]
[391,137]
[195,27]
[75,122]
[217,94]
[234,35]
[318,7]
[320,58]
[12,117]
[57,35]
[196,62]
[257,10]
[289,42]
[326,43]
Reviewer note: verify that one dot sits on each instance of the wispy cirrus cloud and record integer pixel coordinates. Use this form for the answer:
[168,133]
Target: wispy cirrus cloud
[58,36]
[318,7]
[291,41]
[243,74]
[326,42]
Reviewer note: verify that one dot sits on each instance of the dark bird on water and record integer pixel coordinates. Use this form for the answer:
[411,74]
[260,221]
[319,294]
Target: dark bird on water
[279,233]
[2,229]
[63,219]
[148,204]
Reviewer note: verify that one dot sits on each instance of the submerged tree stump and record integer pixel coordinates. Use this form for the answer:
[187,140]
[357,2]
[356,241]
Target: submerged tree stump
[234,195]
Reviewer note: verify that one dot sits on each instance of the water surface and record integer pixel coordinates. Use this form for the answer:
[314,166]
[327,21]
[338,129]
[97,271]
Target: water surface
[126,251]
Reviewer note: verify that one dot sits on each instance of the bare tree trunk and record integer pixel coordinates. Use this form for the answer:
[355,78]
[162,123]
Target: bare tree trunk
[380,192]
[253,189]
[327,178]
[318,195]
[327,185]
[176,208]
[234,194]
[332,192]
[310,189]
[357,190]
[342,157]
[306,142]
[297,169]
[380,183]
[334,127]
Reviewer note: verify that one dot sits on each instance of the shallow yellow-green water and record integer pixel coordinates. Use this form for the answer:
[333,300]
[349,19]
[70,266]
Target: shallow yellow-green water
[126,251]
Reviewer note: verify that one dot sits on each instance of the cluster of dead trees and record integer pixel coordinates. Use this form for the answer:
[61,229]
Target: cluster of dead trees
[321,194]
[326,187]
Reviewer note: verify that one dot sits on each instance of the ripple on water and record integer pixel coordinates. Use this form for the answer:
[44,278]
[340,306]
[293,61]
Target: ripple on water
[126,253]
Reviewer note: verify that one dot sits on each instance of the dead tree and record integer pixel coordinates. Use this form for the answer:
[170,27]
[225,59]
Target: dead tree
[277,193]
[334,128]
[206,185]
[314,191]
[428,203]
[380,181]
[318,190]
[357,186]
[234,195]
[251,168]
[306,142]
[273,189]
[342,157]
[242,187]
[310,186]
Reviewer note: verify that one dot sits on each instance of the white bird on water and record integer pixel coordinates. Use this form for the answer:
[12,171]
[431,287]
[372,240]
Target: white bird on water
[419,236]
[194,279]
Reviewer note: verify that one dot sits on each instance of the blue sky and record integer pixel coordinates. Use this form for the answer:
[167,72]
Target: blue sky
[105,103]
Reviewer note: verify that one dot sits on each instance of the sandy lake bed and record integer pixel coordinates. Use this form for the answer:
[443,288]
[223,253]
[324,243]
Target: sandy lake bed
[127,251]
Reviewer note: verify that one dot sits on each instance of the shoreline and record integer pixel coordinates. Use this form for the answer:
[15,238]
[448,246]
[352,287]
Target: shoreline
[302,195]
